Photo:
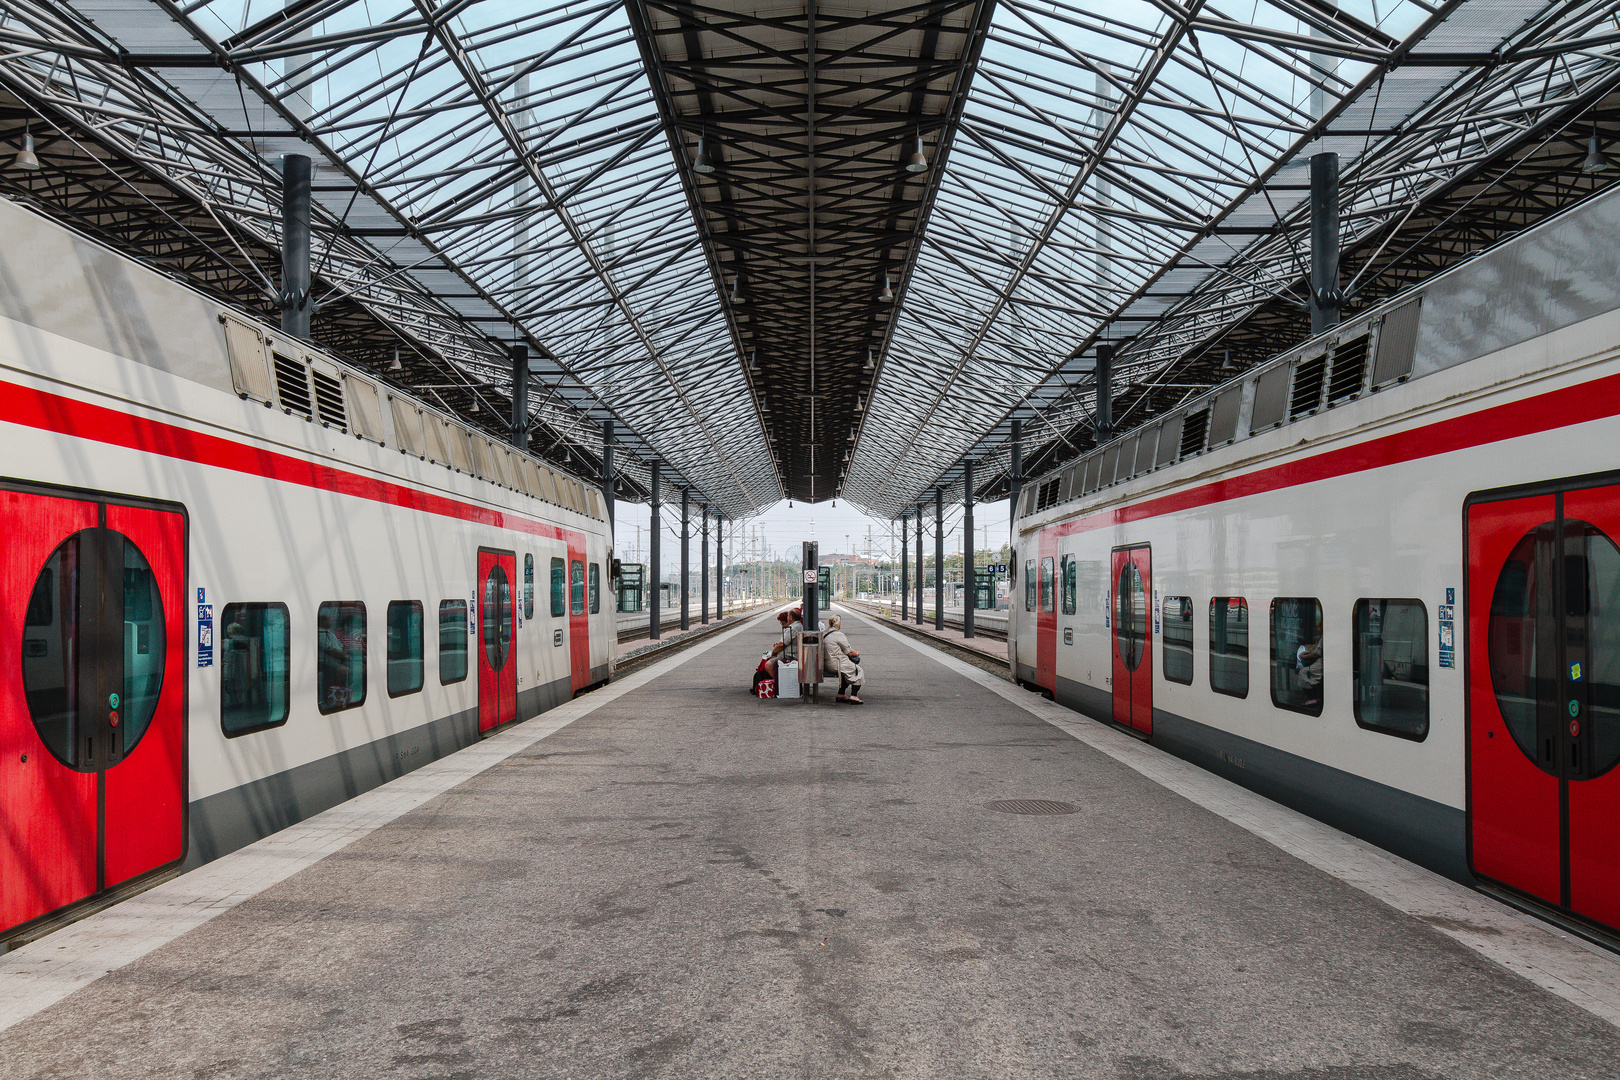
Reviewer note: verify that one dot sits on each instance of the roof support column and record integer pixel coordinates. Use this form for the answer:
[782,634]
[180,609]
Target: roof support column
[719,569]
[905,568]
[686,558]
[1326,298]
[939,558]
[520,396]
[607,470]
[1015,472]
[295,295]
[703,561]
[919,564]
[655,573]
[1105,393]
[968,583]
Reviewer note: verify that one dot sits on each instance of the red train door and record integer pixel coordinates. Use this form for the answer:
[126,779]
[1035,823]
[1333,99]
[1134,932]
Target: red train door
[92,718]
[579,621]
[497,636]
[1544,697]
[1046,612]
[1133,659]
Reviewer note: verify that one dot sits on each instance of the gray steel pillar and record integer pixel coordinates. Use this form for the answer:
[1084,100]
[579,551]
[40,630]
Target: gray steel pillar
[919,564]
[1105,393]
[1326,297]
[295,296]
[1015,471]
[939,558]
[655,571]
[905,568]
[607,471]
[686,558]
[967,549]
[810,563]
[520,396]
[719,568]
[703,561]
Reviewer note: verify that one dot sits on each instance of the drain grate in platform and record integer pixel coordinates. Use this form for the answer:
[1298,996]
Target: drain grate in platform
[1030,806]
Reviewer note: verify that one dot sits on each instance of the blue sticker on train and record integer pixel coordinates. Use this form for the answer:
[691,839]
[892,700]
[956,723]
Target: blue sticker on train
[1448,630]
[205,630]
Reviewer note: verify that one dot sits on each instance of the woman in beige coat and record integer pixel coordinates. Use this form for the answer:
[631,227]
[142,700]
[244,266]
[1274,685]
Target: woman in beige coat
[841,660]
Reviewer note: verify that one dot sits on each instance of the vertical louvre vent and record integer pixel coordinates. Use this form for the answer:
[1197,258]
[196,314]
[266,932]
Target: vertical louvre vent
[292,386]
[1307,395]
[1048,495]
[329,400]
[1193,430]
[1349,370]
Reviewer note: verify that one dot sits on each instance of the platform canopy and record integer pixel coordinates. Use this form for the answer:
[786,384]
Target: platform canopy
[806,249]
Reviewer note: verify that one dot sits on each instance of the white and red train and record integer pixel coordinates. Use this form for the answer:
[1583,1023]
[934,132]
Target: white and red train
[1377,577]
[242,582]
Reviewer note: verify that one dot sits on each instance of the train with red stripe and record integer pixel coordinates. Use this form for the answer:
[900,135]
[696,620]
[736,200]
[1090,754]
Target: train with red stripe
[243,581]
[1376,578]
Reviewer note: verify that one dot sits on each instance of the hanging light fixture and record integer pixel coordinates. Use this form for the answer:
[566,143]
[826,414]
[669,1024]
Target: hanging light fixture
[395,365]
[1596,161]
[704,161]
[737,288]
[918,161]
[870,364]
[887,294]
[26,159]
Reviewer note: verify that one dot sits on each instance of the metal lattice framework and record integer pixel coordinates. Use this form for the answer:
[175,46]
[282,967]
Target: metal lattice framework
[1129,173]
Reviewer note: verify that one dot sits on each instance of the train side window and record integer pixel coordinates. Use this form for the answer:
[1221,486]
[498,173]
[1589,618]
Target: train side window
[452,641]
[1069,563]
[559,589]
[253,659]
[404,647]
[1178,639]
[1296,654]
[340,653]
[576,587]
[1391,665]
[1046,584]
[1229,645]
[528,587]
[596,588]
[1029,584]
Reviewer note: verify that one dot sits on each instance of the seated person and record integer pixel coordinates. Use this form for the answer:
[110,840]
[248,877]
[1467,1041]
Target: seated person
[838,658]
[788,647]
[1308,670]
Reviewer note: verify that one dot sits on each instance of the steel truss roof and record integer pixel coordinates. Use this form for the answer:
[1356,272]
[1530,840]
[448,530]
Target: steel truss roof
[484,172]
[1129,173]
[1133,174]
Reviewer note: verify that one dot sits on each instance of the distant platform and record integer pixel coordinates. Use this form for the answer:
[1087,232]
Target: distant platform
[670,877]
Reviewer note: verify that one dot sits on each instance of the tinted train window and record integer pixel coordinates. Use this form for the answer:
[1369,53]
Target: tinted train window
[1296,654]
[559,589]
[340,651]
[576,582]
[1229,645]
[1046,584]
[254,652]
[404,647]
[1391,665]
[452,641]
[1178,639]
[528,586]
[1068,584]
[1029,584]
[596,588]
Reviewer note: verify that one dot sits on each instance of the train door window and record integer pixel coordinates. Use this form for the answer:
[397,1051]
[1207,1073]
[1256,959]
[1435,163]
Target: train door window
[528,587]
[576,587]
[1068,584]
[404,647]
[96,590]
[340,642]
[1296,654]
[1046,584]
[1229,645]
[254,653]
[452,641]
[596,588]
[1391,665]
[1178,639]
[1029,584]
[559,589]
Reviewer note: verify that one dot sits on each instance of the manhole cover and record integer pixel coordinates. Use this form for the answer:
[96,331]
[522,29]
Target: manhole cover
[1030,806]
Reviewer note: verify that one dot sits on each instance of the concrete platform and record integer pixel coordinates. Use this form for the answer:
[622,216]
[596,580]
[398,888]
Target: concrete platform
[685,881]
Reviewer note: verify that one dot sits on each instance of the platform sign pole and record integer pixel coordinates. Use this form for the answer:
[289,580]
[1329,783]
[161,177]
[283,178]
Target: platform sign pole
[686,558]
[719,569]
[812,606]
[969,593]
[655,576]
[919,563]
[905,567]
[703,563]
[939,558]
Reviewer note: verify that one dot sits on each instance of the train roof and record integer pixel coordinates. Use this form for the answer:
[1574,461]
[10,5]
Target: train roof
[1557,273]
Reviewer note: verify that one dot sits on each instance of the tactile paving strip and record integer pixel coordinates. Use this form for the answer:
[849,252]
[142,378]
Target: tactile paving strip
[1030,806]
